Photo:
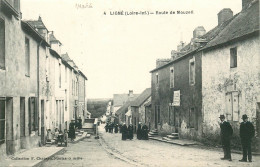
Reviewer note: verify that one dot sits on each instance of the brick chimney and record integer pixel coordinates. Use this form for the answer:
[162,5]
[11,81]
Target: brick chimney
[245,3]
[199,31]
[224,15]
[131,93]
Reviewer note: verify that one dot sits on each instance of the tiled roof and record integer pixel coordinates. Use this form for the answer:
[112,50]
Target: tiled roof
[124,107]
[120,99]
[245,22]
[142,98]
[37,23]
[53,38]
[66,57]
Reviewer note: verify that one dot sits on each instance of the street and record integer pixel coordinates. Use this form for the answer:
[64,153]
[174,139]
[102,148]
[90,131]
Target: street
[110,150]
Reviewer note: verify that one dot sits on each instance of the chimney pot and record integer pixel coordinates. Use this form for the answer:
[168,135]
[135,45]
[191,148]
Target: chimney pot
[224,15]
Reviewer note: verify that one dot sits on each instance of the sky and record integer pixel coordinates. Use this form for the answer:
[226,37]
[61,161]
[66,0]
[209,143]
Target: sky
[117,52]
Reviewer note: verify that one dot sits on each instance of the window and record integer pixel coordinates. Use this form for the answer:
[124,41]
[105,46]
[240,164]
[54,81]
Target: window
[57,113]
[171,77]
[232,109]
[15,4]
[72,86]
[59,75]
[66,74]
[22,117]
[2,120]
[66,98]
[193,118]
[33,116]
[27,57]
[157,78]
[192,71]
[2,44]
[233,57]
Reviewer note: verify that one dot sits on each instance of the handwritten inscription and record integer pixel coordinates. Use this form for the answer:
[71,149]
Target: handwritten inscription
[83,6]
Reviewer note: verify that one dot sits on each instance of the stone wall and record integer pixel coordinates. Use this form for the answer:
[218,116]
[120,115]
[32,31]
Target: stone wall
[218,79]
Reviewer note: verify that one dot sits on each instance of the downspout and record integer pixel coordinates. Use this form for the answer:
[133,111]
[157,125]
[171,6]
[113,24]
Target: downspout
[38,84]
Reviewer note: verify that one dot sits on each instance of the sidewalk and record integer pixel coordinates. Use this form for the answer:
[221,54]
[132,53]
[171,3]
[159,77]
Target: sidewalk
[185,142]
[181,142]
[34,156]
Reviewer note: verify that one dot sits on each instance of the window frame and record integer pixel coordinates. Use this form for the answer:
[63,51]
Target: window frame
[233,57]
[192,78]
[4,47]
[27,57]
[172,77]
[3,140]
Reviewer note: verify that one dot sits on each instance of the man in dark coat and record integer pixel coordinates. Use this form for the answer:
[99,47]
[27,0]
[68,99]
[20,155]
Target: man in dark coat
[145,132]
[139,131]
[106,127]
[116,128]
[130,132]
[247,132]
[120,128]
[226,134]
[124,132]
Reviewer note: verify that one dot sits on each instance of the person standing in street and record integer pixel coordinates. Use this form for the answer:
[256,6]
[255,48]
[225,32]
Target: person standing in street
[130,132]
[226,134]
[145,132]
[139,131]
[247,132]
[124,132]
[116,128]
[72,134]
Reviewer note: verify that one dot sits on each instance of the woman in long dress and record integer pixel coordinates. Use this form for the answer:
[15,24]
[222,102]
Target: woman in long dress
[72,127]
[124,132]
[130,132]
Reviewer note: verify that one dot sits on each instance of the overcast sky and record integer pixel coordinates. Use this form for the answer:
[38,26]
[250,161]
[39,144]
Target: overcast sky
[117,52]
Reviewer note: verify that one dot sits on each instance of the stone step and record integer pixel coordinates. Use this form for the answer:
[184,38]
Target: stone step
[88,135]
[166,138]
[153,133]
[172,137]
[175,134]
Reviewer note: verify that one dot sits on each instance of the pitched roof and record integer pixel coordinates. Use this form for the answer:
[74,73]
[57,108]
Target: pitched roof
[124,107]
[244,23]
[120,99]
[37,23]
[53,38]
[66,57]
[142,98]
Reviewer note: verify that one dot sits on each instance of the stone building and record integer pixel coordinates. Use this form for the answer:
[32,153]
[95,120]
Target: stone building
[231,73]
[216,73]
[35,81]
[23,81]
[137,108]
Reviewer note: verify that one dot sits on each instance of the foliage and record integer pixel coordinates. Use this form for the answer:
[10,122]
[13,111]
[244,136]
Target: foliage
[97,107]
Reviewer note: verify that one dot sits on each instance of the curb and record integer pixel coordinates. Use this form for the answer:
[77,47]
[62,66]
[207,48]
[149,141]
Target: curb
[170,142]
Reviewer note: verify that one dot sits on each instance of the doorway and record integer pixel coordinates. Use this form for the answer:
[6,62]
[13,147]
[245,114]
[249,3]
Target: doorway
[42,123]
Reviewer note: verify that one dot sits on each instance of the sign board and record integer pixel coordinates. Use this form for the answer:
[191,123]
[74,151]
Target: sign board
[176,98]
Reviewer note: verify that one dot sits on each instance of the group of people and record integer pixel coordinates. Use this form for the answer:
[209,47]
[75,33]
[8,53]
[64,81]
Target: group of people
[111,127]
[247,132]
[142,132]
[128,131]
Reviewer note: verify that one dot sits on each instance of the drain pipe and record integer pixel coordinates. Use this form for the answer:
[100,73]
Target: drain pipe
[38,87]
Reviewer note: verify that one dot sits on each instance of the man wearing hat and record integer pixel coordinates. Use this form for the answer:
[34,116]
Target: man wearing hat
[226,134]
[247,132]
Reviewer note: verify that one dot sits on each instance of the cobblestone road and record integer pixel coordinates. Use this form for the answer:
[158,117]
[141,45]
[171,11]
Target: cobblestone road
[110,150]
